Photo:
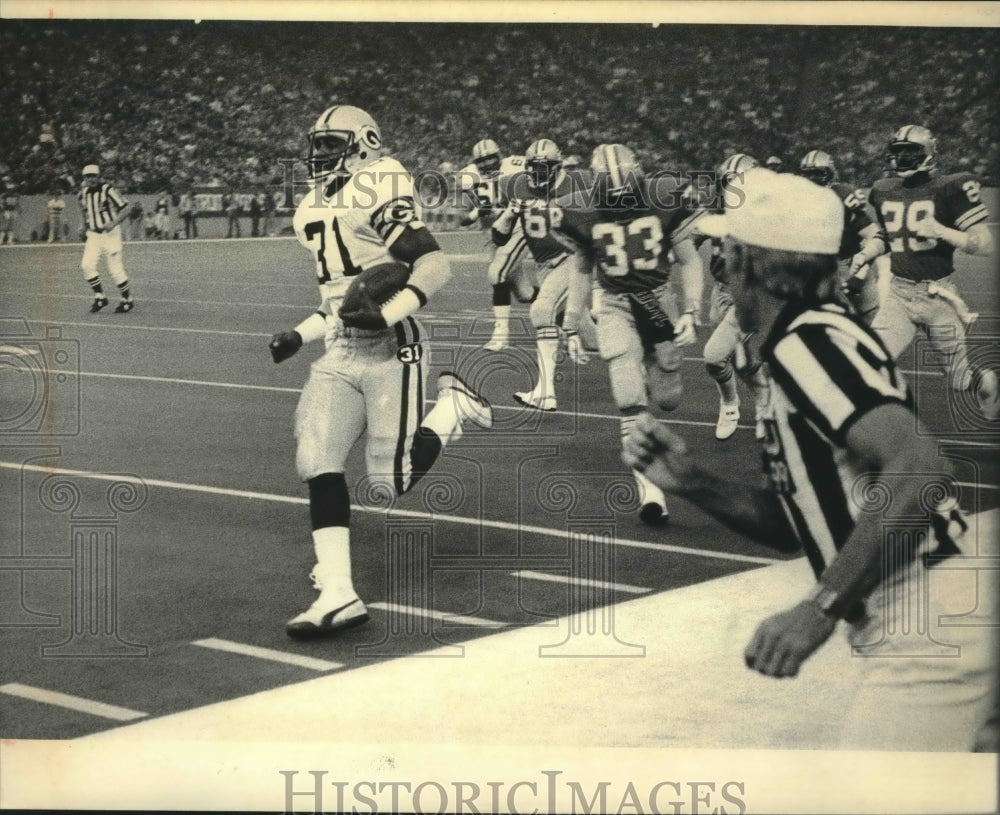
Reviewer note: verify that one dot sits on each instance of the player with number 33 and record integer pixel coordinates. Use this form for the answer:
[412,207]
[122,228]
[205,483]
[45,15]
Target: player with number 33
[627,234]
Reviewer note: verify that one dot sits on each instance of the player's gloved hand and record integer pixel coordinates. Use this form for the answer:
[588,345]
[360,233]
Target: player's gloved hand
[575,349]
[658,452]
[367,316]
[854,284]
[284,345]
[684,330]
[858,262]
[928,228]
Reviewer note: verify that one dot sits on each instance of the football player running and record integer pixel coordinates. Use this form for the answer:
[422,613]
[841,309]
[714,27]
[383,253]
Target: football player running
[530,215]
[486,182]
[861,288]
[361,214]
[924,218]
[728,350]
[625,234]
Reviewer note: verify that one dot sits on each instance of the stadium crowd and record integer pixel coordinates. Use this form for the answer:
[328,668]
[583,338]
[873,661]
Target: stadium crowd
[167,105]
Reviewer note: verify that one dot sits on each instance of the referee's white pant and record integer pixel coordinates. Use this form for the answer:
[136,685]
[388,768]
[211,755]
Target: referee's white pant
[928,651]
[104,244]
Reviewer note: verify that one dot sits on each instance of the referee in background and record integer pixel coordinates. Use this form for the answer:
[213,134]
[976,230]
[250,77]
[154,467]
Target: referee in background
[104,209]
[840,431]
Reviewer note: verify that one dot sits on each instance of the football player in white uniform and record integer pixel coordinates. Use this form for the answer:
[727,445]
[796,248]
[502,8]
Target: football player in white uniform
[487,182]
[360,214]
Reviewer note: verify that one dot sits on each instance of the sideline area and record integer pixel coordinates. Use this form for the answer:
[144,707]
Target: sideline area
[685,712]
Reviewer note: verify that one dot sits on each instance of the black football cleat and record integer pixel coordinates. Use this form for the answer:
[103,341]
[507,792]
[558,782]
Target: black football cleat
[98,304]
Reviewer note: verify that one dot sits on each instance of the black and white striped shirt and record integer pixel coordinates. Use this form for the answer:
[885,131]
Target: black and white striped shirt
[827,371]
[100,204]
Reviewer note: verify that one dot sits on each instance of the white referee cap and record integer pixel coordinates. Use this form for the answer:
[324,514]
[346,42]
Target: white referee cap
[91,169]
[780,211]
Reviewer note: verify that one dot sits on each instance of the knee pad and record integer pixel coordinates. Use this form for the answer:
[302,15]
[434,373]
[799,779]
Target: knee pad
[664,374]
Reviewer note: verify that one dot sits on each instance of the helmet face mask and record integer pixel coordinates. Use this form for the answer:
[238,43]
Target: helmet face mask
[543,161]
[912,150]
[342,141]
[818,167]
[486,156]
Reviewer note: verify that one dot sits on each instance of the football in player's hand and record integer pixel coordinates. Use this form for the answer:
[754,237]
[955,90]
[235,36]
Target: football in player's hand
[374,287]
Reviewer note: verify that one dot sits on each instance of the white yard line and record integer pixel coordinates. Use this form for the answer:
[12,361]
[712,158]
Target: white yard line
[624,588]
[441,616]
[400,513]
[78,703]
[312,663]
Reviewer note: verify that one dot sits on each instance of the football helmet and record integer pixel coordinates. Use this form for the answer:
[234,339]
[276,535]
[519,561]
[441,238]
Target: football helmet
[911,150]
[818,167]
[343,140]
[543,161]
[486,156]
[617,173]
[734,166]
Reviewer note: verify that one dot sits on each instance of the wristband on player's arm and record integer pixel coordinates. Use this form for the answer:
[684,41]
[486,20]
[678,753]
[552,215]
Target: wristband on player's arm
[408,301]
[312,327]
[835,605]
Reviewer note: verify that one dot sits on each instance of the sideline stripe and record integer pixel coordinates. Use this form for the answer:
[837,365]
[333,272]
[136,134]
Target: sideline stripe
[273,388]
[625,588]
[401,513]
[78,703]
[312,663]
[441,616]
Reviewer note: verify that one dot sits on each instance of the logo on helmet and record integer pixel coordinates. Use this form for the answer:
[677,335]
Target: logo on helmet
[371,138]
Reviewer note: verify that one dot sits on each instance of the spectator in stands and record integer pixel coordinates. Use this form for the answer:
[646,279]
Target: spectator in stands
[255,215]
[10,210]
[189,213]
[233,209]
[135,222]
[266,214]
[56,206]
[163,216]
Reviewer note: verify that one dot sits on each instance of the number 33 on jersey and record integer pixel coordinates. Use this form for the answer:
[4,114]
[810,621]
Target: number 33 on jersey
[371,219]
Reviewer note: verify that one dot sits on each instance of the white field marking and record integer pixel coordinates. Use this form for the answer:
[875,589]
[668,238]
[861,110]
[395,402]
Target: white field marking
[966,442]
[471,343]
[236,304]
[78,703]
[625,588]
[312,663]
[275,389]
[17,351]
[457,619]
[173,381]
[132,327]
[401,513]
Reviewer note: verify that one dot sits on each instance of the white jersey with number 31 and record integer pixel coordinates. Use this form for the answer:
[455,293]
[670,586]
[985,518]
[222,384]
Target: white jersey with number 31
[354,228]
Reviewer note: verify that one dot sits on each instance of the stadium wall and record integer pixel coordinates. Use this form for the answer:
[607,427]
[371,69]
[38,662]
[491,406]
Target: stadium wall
[34,216]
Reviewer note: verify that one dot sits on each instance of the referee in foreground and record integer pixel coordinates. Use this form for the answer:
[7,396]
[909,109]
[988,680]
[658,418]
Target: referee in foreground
[841,433]
[103,211]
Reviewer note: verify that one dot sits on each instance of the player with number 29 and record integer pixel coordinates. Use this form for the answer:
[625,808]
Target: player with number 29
[924,218]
